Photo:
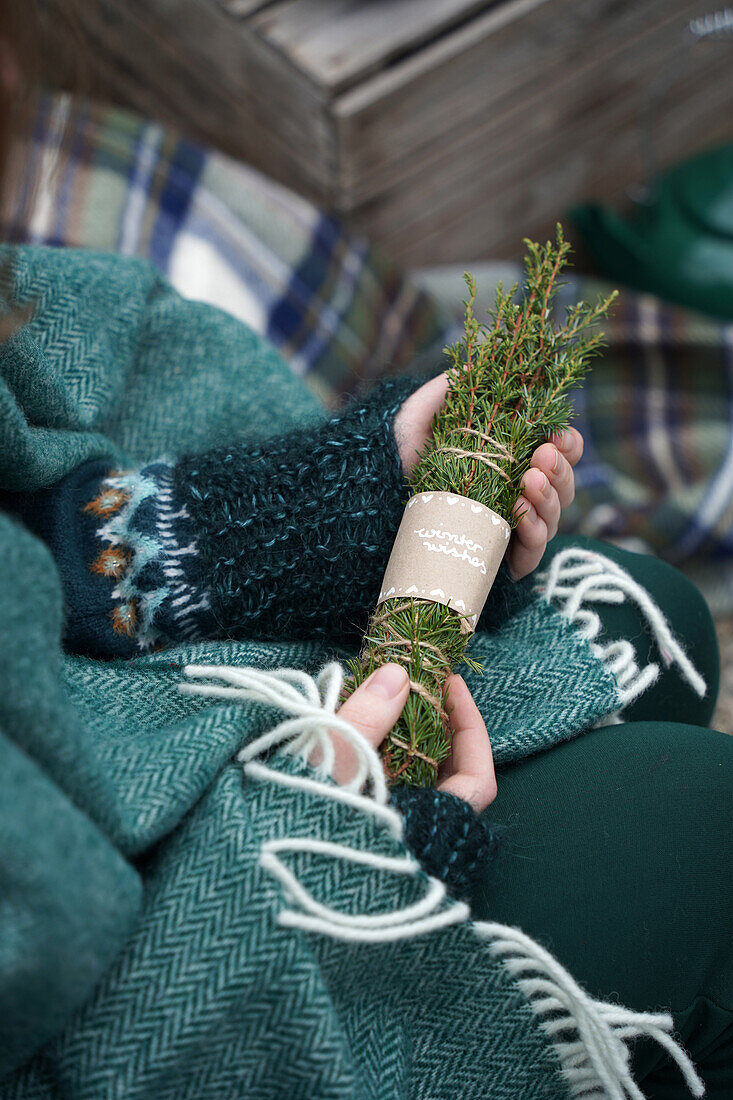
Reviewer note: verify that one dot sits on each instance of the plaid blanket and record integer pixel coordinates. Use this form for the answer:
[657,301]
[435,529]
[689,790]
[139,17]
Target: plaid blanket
[225,234]
[656,411]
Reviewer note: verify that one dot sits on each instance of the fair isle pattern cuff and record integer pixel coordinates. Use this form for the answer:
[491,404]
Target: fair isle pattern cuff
[150,553]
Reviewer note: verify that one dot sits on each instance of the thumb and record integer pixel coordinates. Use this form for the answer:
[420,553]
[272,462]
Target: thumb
[414,420]
[376,704]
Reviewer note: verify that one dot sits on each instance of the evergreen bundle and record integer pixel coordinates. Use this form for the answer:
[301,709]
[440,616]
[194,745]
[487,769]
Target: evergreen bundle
[508,393]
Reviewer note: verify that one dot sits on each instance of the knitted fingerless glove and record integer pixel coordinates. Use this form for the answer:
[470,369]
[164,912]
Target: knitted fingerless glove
[279,540]
[447,837]
[295,533]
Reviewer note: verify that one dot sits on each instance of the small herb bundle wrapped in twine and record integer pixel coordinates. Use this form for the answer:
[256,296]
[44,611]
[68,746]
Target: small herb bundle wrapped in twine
[508,393]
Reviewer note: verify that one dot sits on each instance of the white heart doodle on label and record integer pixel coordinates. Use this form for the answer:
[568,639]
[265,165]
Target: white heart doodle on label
[460,605]
[438,592]
[476,508]
[451,500]
[410,590]
[426,497]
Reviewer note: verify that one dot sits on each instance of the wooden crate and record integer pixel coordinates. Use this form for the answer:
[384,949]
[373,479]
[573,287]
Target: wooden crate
[444,129]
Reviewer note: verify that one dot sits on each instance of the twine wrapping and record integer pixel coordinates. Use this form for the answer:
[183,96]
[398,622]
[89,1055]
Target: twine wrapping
[500,452]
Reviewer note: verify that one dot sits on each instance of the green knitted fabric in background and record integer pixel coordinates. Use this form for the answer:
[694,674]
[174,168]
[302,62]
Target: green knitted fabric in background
[134,913]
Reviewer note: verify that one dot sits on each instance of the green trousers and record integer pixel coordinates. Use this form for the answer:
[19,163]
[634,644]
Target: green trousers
[617,853]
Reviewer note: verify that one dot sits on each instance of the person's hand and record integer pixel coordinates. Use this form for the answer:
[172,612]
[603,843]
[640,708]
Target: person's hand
[376,705]
[547,487]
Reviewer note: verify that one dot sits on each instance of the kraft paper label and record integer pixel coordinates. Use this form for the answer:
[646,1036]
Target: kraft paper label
[448,550]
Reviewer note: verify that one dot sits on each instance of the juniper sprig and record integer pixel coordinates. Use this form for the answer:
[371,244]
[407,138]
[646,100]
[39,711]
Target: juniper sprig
[509,382]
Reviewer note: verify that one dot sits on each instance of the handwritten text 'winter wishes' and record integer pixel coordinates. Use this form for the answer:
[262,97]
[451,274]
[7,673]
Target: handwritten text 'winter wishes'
[454,546]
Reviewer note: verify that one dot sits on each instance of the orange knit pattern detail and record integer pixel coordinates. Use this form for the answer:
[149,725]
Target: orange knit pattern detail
[124,619]
[112,562]
[107,502]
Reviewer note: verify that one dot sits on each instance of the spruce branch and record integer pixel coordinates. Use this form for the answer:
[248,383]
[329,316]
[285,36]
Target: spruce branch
[509,382]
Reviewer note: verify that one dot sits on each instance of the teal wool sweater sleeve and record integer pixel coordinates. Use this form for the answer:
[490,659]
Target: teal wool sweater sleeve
[284,539]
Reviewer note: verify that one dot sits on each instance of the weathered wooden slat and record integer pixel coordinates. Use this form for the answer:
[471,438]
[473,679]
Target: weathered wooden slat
[339,42]
[545,175]
[242,8]
[518,191]
[403,118]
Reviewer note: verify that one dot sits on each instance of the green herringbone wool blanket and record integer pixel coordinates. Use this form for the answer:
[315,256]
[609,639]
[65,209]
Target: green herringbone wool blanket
[187,911]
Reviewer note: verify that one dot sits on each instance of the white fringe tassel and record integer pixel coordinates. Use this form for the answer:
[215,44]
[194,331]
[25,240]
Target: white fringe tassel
[588,1036]
[577,579]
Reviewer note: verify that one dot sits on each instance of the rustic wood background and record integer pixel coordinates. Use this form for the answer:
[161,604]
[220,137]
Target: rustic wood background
[444,129]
